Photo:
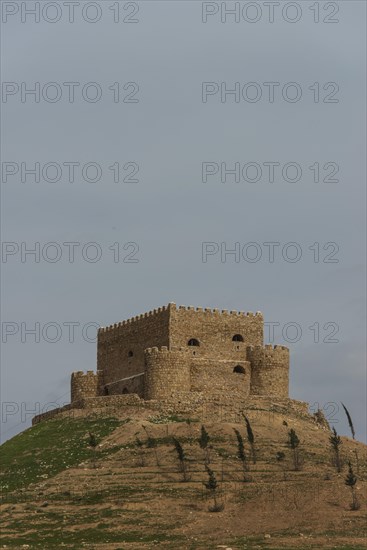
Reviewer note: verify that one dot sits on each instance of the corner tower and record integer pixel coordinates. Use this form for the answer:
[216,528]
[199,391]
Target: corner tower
[269,370]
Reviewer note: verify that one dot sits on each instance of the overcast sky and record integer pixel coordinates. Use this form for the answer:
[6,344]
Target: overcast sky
[298,109]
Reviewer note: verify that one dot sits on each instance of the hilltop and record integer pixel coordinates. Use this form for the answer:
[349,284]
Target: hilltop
[128,493]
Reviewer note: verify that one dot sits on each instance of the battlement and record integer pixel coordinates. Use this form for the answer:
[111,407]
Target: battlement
[137,318]
[216,311]
[172,307]
[80,374]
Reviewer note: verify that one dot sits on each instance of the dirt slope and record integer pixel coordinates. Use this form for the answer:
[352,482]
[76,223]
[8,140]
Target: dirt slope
[129,492]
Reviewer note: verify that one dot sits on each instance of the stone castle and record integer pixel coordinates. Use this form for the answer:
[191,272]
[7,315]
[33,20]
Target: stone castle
[176,350]
[182,358]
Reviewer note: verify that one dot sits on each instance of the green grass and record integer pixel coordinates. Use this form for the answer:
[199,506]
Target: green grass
[76,539]
[48,448]
[56,529]
[251,542]
[167,419]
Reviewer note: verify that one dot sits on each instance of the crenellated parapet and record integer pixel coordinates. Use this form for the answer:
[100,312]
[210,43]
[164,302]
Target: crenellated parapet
[172,307]
[269,370]
[218,312]
[117,328]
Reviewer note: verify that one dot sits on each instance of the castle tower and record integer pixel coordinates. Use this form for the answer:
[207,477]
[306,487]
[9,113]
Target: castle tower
[166,372]
[269,370]
[83,385]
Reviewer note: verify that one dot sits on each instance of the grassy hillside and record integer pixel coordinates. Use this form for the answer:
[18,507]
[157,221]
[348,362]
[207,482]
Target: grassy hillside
[48,448]
[129,492]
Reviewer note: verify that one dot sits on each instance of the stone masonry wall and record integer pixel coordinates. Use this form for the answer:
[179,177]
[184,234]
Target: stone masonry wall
[120,349]
[166,372]
[83,385]
[213,376]
[214,329]
[270,370]
[132,384]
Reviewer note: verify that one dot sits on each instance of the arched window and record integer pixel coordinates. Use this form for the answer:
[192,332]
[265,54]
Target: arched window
[237,338]
[239,369]
[130,354]
[193,342]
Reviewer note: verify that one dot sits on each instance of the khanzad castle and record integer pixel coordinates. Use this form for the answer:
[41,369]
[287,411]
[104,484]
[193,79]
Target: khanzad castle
[186,360]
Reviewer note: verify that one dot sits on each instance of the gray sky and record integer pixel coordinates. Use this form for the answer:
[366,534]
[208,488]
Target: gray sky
[165,137]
